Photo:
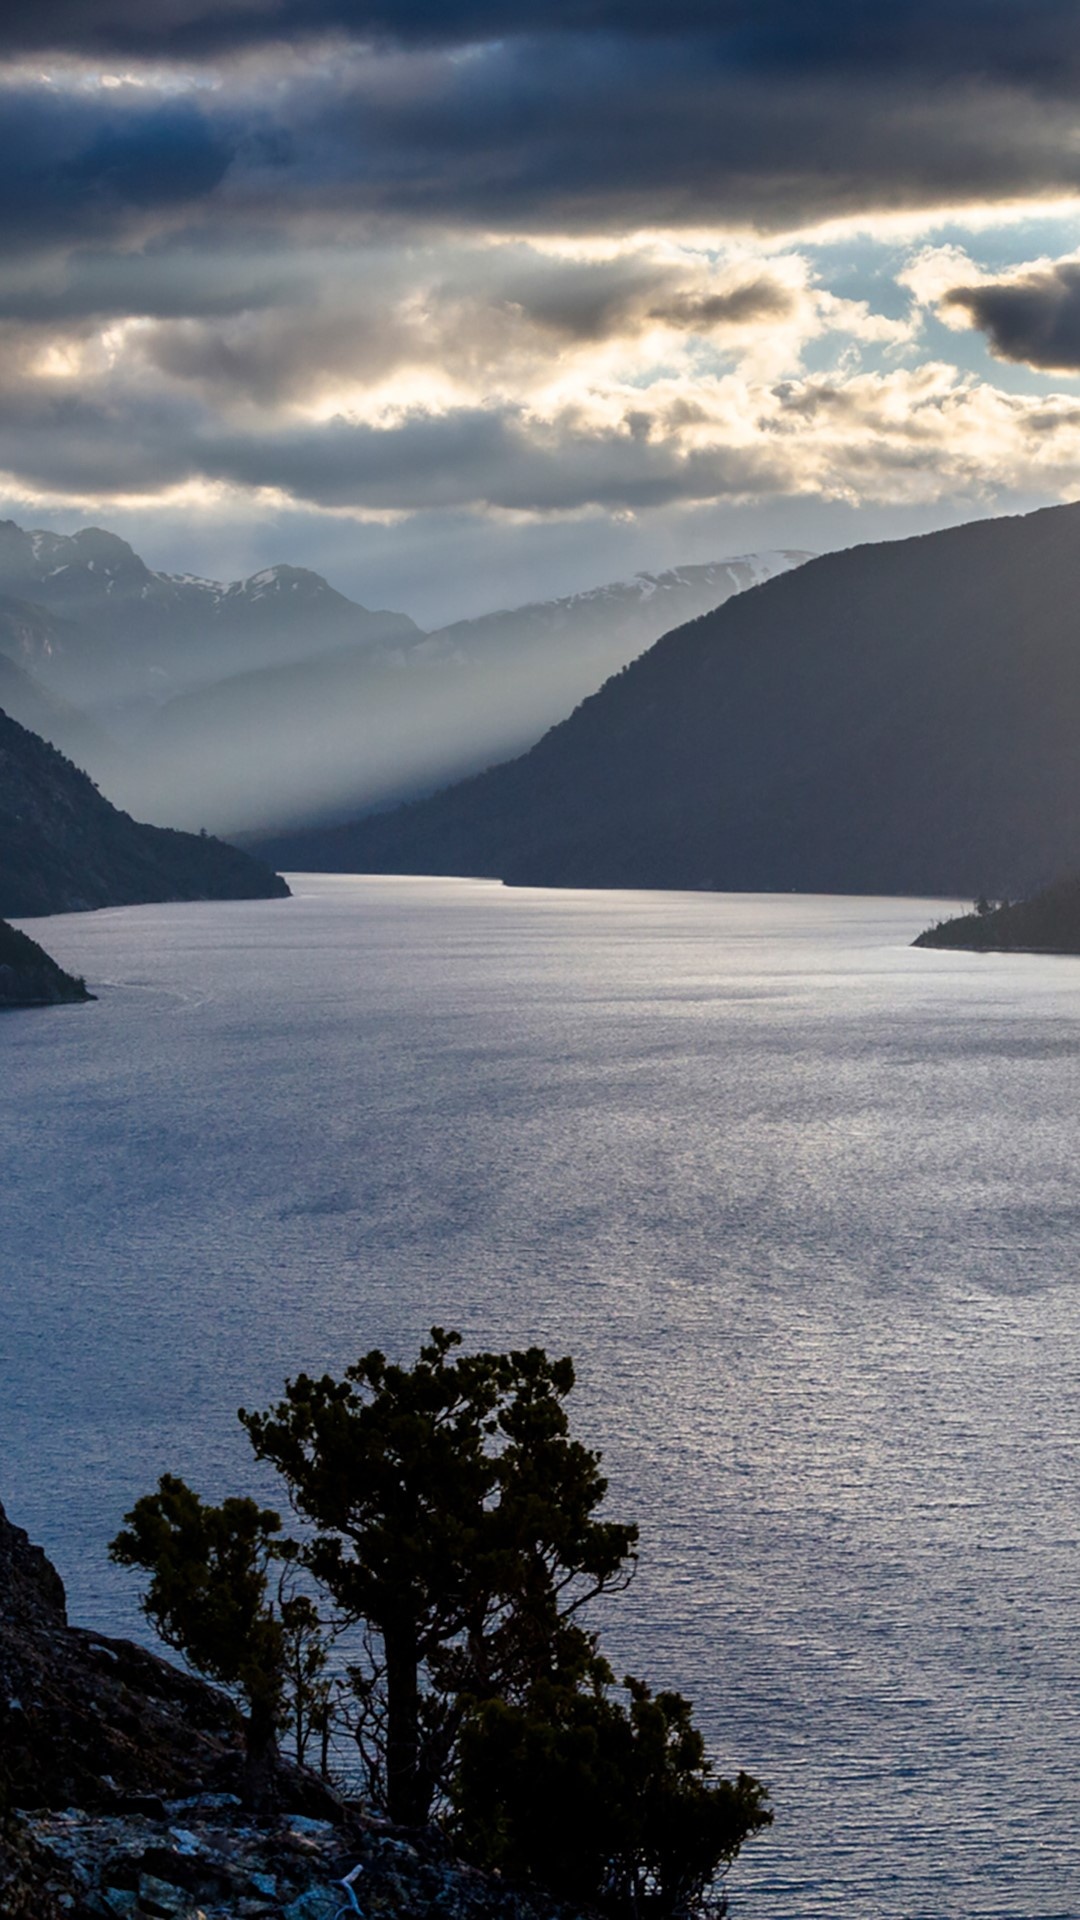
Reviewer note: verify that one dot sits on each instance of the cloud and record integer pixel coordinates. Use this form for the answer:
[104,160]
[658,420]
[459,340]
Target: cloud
[424,260]
[1032,317]
[983,38]
[907,435]
[118,162]
[574,133]
[602,135]
[485,458]
[485,320]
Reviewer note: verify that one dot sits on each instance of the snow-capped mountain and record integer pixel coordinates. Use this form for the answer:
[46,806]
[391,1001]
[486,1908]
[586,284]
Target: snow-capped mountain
[622,617]
[136,637]
[276,700]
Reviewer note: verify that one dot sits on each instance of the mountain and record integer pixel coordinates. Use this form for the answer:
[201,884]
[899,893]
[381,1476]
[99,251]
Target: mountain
[196,702]
[63,847]
[1048,921]
[113,634]
[899,718]
[62,725]
[364,727]
[29,977]
[596,632]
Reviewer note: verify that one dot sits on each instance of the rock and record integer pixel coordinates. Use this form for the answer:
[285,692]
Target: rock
[90,1723]
[116,1798]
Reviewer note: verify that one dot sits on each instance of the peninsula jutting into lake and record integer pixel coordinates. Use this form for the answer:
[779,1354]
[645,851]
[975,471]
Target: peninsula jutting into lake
[29,978]
[1048,921]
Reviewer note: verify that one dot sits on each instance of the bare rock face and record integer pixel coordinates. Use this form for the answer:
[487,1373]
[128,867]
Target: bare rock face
[88,1721]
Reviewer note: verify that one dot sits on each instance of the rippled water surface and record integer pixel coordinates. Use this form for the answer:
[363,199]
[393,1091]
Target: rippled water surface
[801,1202]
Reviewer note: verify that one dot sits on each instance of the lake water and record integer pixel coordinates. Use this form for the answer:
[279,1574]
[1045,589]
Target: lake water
[802,1203]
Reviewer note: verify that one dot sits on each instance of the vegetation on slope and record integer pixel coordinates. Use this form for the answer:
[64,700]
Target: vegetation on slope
[63,847]
[1047,922]
[452,1522]
[29,977]
[897,719]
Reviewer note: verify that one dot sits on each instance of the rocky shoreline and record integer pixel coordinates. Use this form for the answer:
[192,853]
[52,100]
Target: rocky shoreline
[118,1800]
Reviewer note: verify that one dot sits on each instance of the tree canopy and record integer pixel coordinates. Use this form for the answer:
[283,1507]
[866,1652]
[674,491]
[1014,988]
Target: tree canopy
[455,1516]
[209,1598]
[453,1524]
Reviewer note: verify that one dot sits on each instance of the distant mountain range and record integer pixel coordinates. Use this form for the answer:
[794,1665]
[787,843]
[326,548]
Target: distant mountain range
[63,847]
[900,718]
[104,631]
[276,699]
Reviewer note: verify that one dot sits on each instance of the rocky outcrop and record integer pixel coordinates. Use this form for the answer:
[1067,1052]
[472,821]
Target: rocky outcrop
[93,1722]
[117,1801]
[203,1859]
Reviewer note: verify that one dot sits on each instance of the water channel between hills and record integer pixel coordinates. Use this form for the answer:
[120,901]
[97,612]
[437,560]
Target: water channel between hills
[801,1202]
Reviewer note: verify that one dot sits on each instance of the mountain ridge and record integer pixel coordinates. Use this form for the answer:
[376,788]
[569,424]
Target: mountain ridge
[895,718]
[64,848]
[226,704]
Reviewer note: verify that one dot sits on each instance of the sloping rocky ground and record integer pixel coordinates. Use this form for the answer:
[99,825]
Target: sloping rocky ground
[204,1859]
[117,1802]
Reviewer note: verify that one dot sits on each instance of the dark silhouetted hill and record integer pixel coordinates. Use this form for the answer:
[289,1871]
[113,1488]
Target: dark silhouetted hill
[900,718]
[1047,922]
[29,978]
[63,847]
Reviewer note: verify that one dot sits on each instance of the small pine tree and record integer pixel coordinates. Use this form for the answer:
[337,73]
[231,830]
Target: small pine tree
[209,1597]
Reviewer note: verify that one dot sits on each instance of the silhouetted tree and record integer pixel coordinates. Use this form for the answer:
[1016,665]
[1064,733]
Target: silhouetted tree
[453,1519]
[210,1598]
[454,1516]
[603,1802]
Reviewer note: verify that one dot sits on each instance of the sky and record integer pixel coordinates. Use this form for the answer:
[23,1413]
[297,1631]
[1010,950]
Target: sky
[469,303]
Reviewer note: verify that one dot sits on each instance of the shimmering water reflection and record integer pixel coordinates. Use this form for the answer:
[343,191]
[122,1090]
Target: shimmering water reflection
[801,1202]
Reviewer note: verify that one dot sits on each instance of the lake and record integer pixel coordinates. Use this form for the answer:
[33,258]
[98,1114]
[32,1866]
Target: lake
[803,1205]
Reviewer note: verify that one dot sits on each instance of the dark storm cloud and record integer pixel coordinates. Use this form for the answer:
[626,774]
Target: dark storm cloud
[1034,319]
[73,166]
[523,137]
[579,132]
[1034,39]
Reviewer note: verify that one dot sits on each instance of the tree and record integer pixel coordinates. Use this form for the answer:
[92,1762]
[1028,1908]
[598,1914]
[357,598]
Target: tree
[450,1516]
[209,1597]
[642,1824]
[454,1516]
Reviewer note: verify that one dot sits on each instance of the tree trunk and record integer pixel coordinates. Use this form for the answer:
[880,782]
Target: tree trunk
[404,1791]
[258,1781]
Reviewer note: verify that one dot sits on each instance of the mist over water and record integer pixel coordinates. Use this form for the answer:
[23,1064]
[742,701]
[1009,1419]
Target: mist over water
[800,1201]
